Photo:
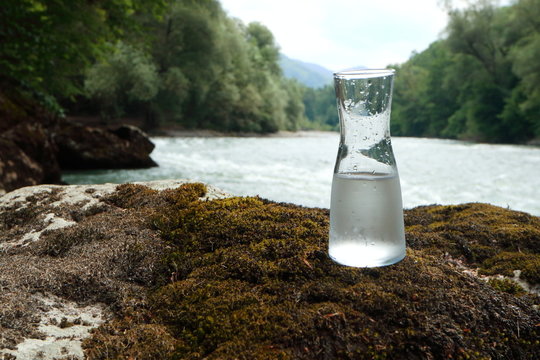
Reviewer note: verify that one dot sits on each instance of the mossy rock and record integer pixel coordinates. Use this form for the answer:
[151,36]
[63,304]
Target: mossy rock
[247,278]
[493,239]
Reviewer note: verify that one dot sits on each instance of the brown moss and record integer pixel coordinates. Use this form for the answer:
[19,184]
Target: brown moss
[110,256]
[246,278]
[131,195]
[127,339]
[60,243]
[10,219]
[65,323]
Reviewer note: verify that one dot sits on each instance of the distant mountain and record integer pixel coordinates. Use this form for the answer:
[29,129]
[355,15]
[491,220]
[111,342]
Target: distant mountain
[311,75]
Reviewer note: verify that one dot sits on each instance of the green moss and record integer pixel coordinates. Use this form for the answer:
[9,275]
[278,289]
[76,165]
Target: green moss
[247,278]
[478,234]
[505,263]
[507,286]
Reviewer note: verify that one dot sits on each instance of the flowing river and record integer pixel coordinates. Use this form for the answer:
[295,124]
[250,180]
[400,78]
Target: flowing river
[299,169]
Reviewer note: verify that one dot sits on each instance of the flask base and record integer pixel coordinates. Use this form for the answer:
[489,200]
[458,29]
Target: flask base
[359,257]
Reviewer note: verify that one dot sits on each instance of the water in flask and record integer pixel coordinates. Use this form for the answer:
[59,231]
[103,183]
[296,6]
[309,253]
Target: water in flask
[366,220]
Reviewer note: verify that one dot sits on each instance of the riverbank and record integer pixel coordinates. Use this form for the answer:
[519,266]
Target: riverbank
[175,130]
[172,132]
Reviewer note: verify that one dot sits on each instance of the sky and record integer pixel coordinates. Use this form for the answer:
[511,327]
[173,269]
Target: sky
[340,34]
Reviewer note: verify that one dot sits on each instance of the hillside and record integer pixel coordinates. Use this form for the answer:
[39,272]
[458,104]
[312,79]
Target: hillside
[311,75]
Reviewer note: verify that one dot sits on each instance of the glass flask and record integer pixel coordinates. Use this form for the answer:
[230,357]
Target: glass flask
[366,211]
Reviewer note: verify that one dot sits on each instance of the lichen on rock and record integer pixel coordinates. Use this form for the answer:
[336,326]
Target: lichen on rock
[188,277]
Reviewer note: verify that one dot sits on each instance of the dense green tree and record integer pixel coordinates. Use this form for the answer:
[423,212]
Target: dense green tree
[46,45]
[205,70]
[126,76]
[267,55]
[320,108]
[480,82]
[525,100]
[294,109]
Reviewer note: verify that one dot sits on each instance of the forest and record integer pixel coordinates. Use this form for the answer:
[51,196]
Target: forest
[182,61]
[186,62]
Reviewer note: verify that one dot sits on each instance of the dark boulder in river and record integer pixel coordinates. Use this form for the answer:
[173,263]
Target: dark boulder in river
[85,147]
[165,270]
[36,145]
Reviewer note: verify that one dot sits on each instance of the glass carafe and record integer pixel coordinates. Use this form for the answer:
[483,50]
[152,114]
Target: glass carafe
[366,211]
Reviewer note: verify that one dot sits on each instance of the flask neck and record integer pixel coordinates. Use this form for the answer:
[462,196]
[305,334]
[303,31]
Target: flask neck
[364,115]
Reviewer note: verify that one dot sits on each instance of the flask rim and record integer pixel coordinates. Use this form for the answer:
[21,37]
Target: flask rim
[363,73]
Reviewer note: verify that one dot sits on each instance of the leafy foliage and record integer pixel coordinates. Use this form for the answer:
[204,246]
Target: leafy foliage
[127,75]
[186,62]
[192,65]
[45,44]
[320,105]
[481,82]
[202,70]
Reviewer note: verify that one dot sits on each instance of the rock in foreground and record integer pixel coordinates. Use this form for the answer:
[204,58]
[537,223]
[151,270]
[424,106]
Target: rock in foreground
[178,276]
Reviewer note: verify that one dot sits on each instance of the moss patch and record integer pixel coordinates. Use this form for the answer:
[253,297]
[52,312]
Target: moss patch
[507,286]
[246,278]
[505,263]
[496,240]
